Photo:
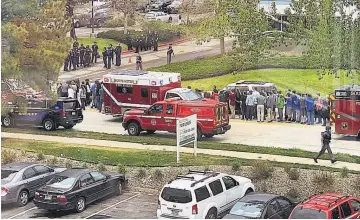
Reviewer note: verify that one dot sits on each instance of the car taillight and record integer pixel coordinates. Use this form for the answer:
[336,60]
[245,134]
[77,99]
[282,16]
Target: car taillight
[37,195]
[61,198]
[194,209]
[159,206]
[62,112]
[4,191]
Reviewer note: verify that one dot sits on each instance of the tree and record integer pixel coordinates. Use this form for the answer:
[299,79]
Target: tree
[127,7]
[69,7]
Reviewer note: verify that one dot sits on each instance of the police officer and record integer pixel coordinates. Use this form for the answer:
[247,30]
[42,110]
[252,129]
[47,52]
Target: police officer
[87,56]
[67,61]
[95,49]
[112,50]
[76,43]
[129,42]
[104,54]
[138,62]
[77,56]
[326,139]
[136,44]
[170,52]
[142,42]
[109,55]
[148,41]
[82,53]
[156,42]
[118,51]
[73,58]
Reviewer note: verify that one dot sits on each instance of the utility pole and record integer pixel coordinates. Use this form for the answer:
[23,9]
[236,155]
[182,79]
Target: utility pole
[92,17]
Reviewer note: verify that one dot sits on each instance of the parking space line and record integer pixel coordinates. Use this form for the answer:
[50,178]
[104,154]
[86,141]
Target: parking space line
[96,213]
[21,213]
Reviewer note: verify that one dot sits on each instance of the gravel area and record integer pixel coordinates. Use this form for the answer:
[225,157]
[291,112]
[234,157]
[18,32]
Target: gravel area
[308,183]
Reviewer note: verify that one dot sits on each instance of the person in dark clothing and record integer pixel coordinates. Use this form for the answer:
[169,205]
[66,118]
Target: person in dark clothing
[109,55]
[67,62]
[87,56]
[95,49]
[129,42]
[136,45]
[149,41]
[82,53]
[142,42]
[243,105]
[97,95]
[77,56]
[325,141]
[138,62]
[170,53]
[73,59]
[156,42]
[118,51]
[105,54]
[88,92]
[76,43]
[111,52]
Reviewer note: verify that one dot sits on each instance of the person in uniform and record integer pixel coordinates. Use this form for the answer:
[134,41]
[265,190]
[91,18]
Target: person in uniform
[77,56]
[170,53]
[109,60]
[76,43]
[148,41]
[104,54]
[73,59]
[82,53]
[95,49]
[156,42]
[128,42]
[325,145]
[138,62]
[112,51]
[67,62]
[87,56]
[118,51]
[136,44]
[142,42]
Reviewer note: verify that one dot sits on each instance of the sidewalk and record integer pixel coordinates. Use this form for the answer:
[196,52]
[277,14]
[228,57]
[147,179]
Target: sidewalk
[188,47]
[242,155]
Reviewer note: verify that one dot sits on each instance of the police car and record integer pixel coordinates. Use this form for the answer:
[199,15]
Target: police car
[49,114]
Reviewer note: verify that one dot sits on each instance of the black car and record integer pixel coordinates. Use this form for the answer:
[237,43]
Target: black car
[261,206]
[49,114]
[74,189]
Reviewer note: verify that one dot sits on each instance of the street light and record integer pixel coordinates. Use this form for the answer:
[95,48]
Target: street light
[92,17]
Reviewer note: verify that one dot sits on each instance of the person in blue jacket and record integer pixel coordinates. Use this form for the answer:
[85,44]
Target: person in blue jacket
[310,109]
[297,109]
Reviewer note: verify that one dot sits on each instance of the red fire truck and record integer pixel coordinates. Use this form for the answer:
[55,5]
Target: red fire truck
[345,110]
[132,89]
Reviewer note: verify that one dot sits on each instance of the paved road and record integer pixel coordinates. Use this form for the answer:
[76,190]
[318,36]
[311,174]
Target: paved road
[125,206]
[282,135]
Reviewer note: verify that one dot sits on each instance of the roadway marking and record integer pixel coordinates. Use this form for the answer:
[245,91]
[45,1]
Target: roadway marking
[122,201]
[21,213]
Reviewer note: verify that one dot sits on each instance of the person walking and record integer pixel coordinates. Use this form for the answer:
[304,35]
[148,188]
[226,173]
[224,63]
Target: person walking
[310,110]
[270,105]
[170,53]
[250,102]
[302,100]
[139,62]
[260,107]
[280,104]
[232,103]
[325,145]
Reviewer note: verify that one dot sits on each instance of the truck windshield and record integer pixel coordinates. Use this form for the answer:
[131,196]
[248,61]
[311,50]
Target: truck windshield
[190,95]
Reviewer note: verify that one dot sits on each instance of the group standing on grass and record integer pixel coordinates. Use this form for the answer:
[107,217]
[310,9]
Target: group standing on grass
[274,106]
[86,93]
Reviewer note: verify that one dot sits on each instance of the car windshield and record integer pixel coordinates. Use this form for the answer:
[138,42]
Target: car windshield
[176,195]
[190,95]
[304,213]
[8,174]
[62,182]
[252,209]
[70,105]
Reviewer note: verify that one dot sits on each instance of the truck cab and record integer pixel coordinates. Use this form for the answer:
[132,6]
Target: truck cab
[212,116]
[182,94]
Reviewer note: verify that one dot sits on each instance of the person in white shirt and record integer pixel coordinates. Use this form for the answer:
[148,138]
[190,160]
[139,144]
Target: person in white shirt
[71,92]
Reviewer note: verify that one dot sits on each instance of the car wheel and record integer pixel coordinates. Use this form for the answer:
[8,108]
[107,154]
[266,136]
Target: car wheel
[209,135]
[249,191]
[80,204]
[68,126]
[150,131]
[134,129]
[48,125]
[23,198]
[119,188]
[199,134]
[212,214]
[7,121]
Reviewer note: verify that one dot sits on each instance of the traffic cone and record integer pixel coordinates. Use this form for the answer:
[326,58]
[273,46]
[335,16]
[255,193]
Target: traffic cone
[181,50]
[129,60]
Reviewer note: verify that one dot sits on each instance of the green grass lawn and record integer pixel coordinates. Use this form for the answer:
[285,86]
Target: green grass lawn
[153,140]
[302,80]
[100,42]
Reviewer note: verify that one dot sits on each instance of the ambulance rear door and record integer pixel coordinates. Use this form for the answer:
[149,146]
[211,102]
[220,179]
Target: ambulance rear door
[154,95]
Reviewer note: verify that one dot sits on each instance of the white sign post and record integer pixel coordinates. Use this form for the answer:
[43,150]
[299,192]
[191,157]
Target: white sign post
[186,133]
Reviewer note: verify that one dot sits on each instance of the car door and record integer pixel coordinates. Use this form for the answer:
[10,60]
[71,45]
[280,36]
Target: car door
[170,118]
[86,185]
[231,190]
[355,205]
[219,196]
[31,180]
[335,213]
[346,211]
[35,112]
[286,205]
[43,173]
[153,119]
[273,210]
[101,182]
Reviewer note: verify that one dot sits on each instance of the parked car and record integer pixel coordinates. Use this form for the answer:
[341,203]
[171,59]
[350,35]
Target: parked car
[328,206]
[160,5]
[212,117]
[261,206]
[174,7]
[201,194]
[64,112]
[159,16]
[20,180]
[77,188]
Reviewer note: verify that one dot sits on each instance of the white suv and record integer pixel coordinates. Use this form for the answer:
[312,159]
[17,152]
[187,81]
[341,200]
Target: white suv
[201,195]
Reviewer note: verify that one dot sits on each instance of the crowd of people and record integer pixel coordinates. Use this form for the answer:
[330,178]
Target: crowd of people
[142,42]
[274,106]
[87,94]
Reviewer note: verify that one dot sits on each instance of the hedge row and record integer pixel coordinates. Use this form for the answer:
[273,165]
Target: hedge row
[118,22]
[221,65]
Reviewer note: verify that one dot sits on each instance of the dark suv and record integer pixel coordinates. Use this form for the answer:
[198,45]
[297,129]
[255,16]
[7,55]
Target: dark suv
[49,114]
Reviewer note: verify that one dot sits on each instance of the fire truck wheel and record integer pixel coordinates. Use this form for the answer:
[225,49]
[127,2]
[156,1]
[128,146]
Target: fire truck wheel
[199,134]
[134,129]
[150,131]
[209,135]
[48,124]
[7,121]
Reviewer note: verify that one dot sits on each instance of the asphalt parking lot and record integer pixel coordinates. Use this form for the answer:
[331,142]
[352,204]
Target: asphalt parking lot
[126,206]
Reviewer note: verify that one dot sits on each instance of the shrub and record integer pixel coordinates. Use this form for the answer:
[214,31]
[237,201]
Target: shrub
[235,167]
[141,173]
[158,175]
[356,183]
[344,172]
[293,174]
[262,169]
[53,161]
[206,168]
[68,164]
[121,169]
[84,165]
[101,167]
[118,22]
[293,193]
[7,156]
[287,169]
[40,156]
[323,180]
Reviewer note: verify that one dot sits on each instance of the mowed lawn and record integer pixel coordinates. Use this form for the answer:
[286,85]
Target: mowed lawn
[301,80]
[100,42]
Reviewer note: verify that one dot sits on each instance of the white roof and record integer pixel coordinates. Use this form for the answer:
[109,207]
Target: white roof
[183,183]
[138,77]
